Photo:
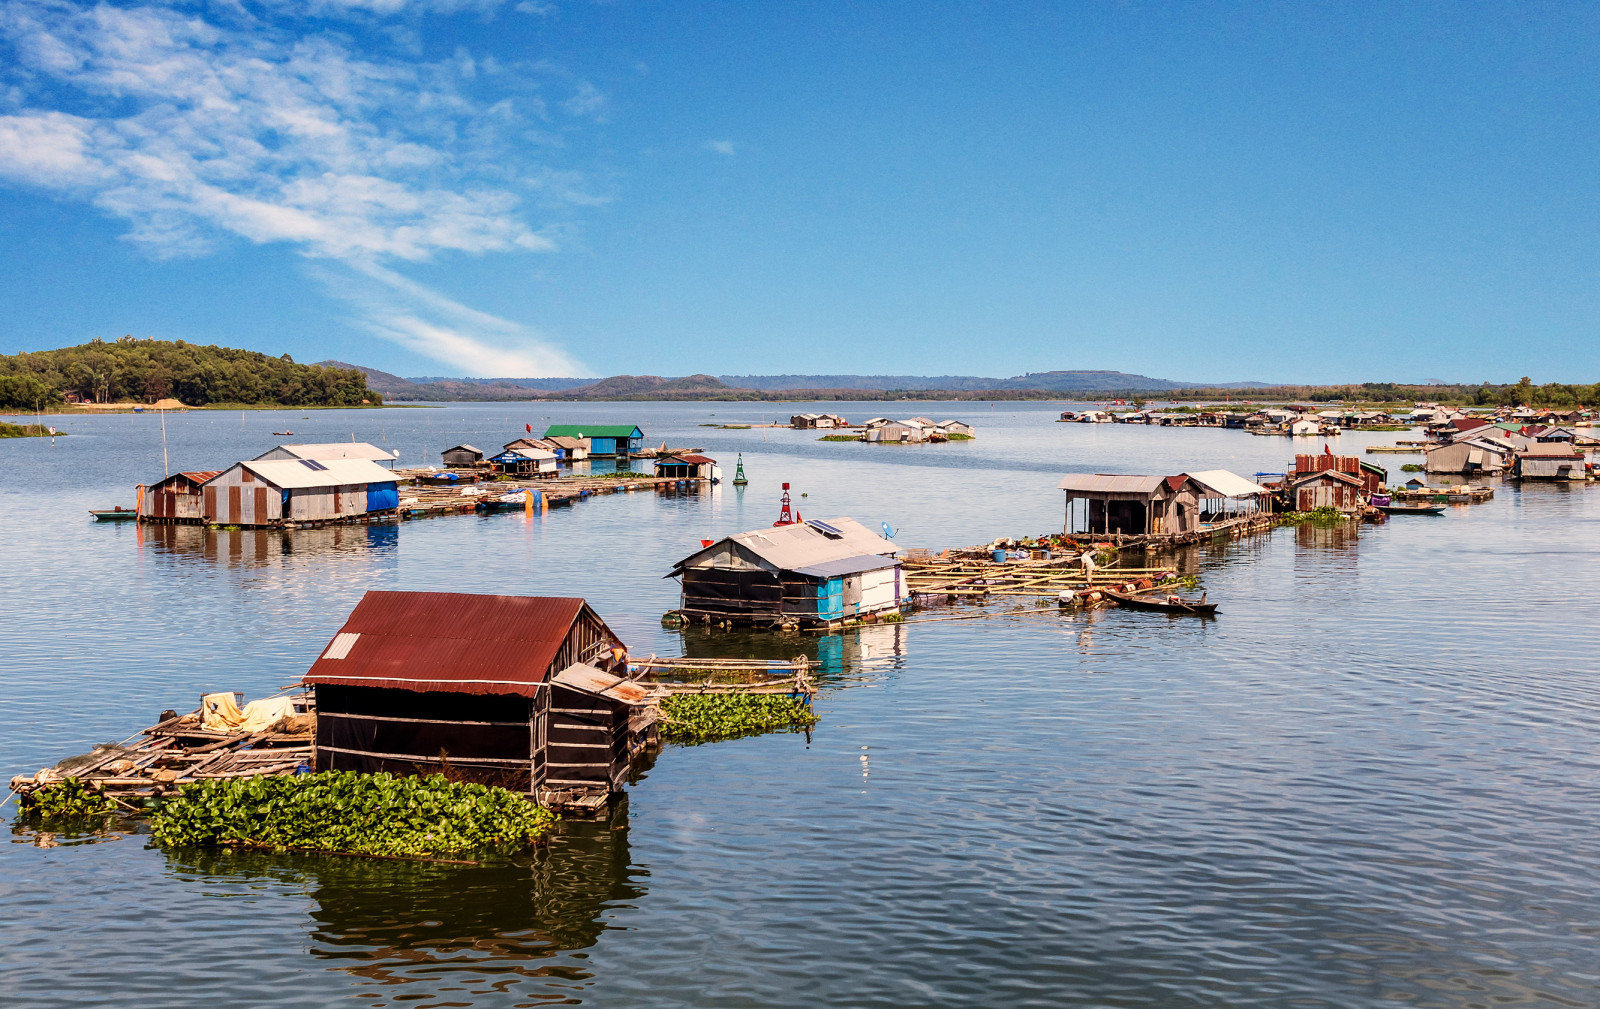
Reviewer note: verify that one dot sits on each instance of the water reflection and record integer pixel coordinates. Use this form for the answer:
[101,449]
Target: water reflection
[834,657]
[410,931]
[255,548]
[1340,536]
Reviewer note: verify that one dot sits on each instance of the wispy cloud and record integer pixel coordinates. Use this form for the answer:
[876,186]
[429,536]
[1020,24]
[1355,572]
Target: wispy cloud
[200,132]
[397,308]
[723,147]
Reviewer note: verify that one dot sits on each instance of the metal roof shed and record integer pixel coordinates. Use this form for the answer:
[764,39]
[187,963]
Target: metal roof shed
[416,681]
[810,572]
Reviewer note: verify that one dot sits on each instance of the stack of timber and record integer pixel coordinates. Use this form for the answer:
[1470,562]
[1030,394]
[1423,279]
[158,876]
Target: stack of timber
[960,576]
[178,750]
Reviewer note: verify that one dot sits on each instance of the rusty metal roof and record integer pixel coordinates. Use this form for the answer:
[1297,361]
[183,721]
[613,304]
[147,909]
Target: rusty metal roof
[584,677]
[1110,483]
[451,641]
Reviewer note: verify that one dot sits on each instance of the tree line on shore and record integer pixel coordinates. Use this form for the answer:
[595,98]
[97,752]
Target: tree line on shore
[146,371]
[1522,393]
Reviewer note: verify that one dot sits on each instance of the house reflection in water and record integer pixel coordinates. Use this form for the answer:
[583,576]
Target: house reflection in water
[432,933]
[254,548]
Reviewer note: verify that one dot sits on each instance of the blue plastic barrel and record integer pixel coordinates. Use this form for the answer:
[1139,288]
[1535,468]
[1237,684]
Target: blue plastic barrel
[999,556]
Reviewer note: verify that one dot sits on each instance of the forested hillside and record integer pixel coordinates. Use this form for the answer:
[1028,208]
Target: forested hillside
[144,371]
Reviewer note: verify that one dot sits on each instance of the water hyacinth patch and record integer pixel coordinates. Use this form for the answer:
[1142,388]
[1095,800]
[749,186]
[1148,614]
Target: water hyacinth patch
[67,798]
[345,811]
[698,718]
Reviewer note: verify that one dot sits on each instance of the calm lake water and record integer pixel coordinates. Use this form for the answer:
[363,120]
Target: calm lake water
[1374,779]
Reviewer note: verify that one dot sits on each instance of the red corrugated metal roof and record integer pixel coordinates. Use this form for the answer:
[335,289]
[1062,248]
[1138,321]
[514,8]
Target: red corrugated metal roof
[475,644]
[200,475]
[696,459]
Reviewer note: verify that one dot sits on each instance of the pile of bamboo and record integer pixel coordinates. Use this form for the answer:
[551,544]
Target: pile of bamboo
[180,749]
[964,577]
[746,676]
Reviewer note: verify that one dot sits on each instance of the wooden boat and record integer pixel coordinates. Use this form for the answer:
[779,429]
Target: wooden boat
[515,501]
[1411,509]
[117,514]
[282,434]
[1171,605]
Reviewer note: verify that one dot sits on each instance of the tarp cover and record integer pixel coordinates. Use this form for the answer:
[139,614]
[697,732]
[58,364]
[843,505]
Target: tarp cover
[219,713]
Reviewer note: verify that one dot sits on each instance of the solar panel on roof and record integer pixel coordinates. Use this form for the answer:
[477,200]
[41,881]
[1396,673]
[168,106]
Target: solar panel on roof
[825,528]
[312,464]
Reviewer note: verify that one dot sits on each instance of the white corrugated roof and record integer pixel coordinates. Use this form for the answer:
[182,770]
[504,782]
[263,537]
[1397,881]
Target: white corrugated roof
[805,545]
[290,474]
[1222,483]
[335,450]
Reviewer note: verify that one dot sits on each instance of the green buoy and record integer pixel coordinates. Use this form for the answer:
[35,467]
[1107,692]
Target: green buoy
[738,474]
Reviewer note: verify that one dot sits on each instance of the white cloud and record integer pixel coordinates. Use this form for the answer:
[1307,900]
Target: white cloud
[723,147]
[474,343]
[196,133]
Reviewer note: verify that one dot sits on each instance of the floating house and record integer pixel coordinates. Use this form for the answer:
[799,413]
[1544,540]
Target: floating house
[1549,461]
[817,421]
[334,451]
[955,427]
[1372,477]
[277,492]
[1224,494]
[619,440]
[810,573]
[522,460]
[1469,456]
[1130,505]
[686,467]
[528,693]
[568,450]
[1327,488]
[462,456]
[177,499]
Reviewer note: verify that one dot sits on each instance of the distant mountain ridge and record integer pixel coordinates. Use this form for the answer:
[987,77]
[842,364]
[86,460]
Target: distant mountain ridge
[756,387]
[1052,381]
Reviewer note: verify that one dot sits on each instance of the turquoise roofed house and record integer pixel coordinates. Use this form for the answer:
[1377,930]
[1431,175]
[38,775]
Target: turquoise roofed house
[620,440]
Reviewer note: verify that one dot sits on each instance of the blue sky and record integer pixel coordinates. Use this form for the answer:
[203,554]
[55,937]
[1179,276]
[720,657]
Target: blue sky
[1203,192]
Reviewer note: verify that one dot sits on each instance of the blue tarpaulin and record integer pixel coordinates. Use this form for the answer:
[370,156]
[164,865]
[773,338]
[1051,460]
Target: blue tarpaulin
[382,496]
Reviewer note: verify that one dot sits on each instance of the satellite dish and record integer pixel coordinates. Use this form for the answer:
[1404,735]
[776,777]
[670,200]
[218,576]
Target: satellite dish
[888,533]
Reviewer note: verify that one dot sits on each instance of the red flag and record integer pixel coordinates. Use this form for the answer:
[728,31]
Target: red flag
[529,427]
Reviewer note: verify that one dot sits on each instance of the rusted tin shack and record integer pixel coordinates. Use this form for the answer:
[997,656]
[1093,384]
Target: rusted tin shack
[1328,488]
[516,691]
[177,500]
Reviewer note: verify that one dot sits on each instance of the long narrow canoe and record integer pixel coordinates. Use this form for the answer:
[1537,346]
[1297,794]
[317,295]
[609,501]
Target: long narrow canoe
[114,514]
[1411,509]
[1172,605]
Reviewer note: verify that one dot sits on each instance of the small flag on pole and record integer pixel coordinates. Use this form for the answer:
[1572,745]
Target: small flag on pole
[529,427]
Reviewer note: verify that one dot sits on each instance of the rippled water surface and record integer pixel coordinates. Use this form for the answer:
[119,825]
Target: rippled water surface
[1372,780]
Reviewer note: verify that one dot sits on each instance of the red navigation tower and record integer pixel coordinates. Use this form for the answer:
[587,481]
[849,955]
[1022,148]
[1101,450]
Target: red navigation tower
[785,516]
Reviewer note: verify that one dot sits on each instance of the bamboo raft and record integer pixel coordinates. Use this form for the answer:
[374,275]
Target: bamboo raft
[963,577]
[179,750]
[1474,494]
[725,676]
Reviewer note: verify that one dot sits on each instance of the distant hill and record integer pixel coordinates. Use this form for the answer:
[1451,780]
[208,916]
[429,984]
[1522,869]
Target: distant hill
[459,389]
[1051,381]
[1034,385]
[693,387]
[126,370]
